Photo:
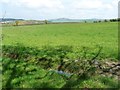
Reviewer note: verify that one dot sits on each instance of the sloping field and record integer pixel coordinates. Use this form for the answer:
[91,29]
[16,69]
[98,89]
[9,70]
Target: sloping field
[79,35]
[76,55]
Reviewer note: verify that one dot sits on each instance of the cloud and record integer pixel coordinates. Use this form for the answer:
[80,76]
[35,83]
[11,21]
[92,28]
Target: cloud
[42,3]
[91,4]
[115,2]
[35,3]
[4,1]
[87,4]
[60,8]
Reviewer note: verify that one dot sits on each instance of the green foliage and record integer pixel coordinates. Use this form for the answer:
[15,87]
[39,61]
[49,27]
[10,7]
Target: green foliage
[18,70]
[29,75]
[48,56]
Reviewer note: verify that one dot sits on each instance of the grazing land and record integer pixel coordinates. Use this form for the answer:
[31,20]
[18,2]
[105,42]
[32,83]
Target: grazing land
[76,35]
[60,55]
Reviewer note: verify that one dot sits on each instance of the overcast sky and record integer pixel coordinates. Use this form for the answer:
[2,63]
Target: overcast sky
[50,9]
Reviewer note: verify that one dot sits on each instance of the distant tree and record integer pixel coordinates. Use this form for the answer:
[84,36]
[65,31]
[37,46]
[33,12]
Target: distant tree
[99,21]
[118,19]
[95,21]
[85,21]
[46,22]
[105,20]
[16,23]
[113,20]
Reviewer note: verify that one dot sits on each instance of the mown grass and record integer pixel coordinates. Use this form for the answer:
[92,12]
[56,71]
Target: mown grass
[76,35]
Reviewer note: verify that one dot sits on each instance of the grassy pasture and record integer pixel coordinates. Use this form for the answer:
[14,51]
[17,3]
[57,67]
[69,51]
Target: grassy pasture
[77,35]
[59,55]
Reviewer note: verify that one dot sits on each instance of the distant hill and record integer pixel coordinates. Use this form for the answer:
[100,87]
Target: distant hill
[9,19]
[72,20]
[51,20]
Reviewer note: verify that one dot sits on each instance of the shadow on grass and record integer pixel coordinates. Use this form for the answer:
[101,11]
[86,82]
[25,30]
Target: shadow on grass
[47,57]
[16,72]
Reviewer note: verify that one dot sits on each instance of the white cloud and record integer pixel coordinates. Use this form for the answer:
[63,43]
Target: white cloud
[91,4]
[85,4]
[61,8]
[4,1]
[115,2]
[42,3]
[35,3]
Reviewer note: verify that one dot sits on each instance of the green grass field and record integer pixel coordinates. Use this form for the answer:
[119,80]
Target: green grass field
[76,35]
[59,55]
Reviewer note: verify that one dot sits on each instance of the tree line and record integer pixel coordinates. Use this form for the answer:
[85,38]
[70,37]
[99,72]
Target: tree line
[108,20]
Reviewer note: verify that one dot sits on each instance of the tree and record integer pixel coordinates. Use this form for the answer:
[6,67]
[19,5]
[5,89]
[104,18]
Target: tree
[99,21]
[16,23]
[118,19]
[46,22]
[94,21]
[105,20]
[113,20]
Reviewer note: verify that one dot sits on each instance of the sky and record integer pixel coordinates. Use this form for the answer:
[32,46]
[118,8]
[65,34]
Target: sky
[52,9]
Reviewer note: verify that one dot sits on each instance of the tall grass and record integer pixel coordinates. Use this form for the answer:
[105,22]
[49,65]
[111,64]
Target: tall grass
[51,67]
